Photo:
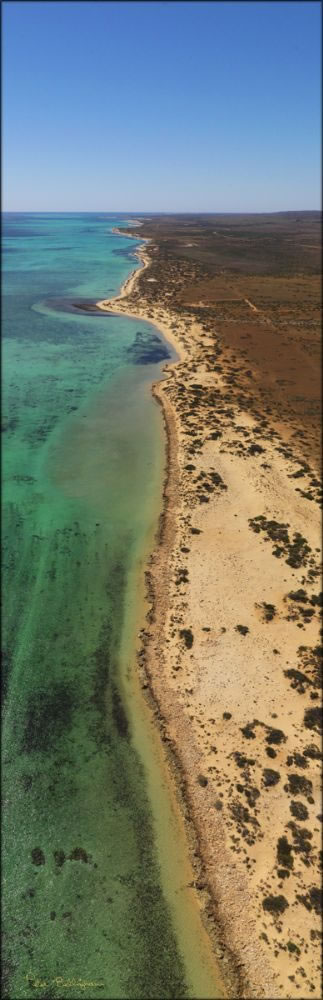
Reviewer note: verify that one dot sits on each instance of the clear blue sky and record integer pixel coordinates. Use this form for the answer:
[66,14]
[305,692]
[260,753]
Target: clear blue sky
[176,106]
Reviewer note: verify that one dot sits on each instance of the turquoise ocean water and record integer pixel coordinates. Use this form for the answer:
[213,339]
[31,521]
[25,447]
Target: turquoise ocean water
[82,461]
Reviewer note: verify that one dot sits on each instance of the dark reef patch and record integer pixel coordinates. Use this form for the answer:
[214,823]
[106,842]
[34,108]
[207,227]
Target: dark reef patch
[79,854]
[48,716]
[147,349]
[37,856]
[101,661]
[59,857]
[70,306]
[118,713]
[6,666]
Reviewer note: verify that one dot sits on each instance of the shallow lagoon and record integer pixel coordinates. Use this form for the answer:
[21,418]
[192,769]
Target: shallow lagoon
[82,465]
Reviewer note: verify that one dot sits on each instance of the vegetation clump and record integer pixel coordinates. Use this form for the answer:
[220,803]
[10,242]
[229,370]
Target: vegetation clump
[313,752]
[298,759]
[248,731]
[293,948]
[243,761]
[240,812]
[269,611]
[283,873]
[284,853]
[313,719]
[317,599]
[298,595]
[270,777]
[298,785]
[275,904]
[316,895]
[252,794]
[187,635]
[296,550]
[299,681]
[182,576]
[218,481]
[276,531]
[275,736]
[255,449]
[302,841]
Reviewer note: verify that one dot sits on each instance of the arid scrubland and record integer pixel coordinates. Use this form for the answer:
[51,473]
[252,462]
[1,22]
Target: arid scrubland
[231,649]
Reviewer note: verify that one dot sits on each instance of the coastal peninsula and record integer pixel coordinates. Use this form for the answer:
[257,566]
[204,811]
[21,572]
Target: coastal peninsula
[230,651]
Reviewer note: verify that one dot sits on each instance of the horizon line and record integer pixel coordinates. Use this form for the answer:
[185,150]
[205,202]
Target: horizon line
[106,211]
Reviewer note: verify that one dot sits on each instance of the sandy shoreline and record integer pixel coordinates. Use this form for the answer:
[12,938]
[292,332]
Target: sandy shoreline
[222,624]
